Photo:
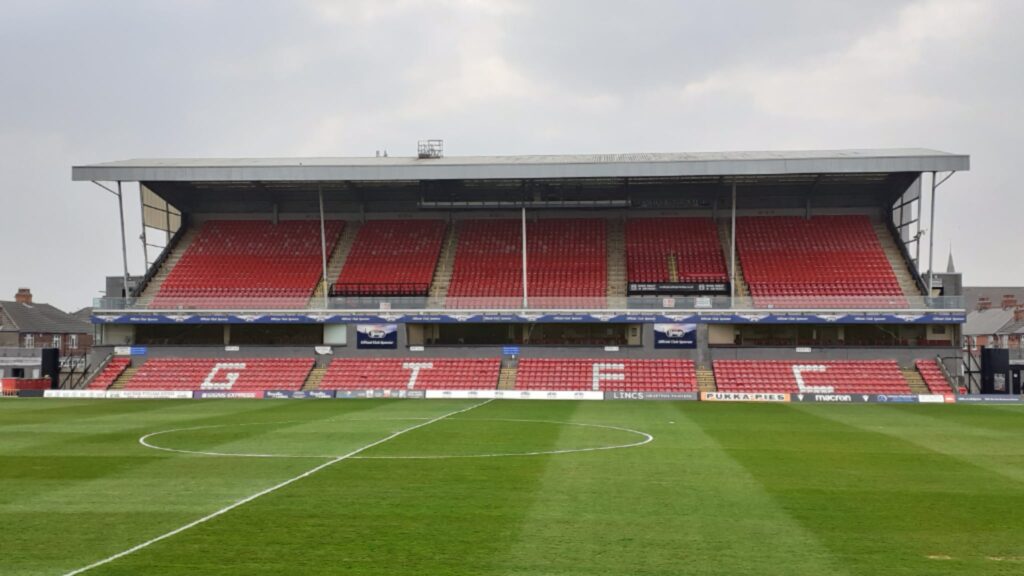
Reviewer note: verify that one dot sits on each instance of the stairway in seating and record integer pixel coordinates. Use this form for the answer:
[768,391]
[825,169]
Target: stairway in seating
[915,381]
[508,373]
[336,259]
[900,267]
[725,235]
[165,269]
[706,380]
[123,379]
[315,377]
[673,268]
[616,263]
[445,265]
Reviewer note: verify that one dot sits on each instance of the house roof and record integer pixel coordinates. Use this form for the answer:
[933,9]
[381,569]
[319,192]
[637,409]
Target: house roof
[41,318]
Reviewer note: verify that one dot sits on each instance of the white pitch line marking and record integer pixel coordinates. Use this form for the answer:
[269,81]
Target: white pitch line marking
[273,488]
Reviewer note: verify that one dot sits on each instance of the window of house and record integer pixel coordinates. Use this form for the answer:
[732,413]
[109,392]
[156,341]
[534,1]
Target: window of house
[73,341]
[30,341]
[56,340]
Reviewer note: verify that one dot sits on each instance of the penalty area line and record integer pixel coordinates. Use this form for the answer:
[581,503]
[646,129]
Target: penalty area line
[273,488]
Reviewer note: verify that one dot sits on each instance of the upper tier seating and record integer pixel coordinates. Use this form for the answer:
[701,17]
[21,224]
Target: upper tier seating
[811,376]
[412,373]
[392,258]
[691,242]
[610,374]
[933,377]
[827,261]
[248,264]
[110,372]
[566,264]
[239,374]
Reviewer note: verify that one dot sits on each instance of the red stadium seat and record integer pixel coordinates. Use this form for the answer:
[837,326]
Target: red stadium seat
[238,374]
[811,376]
[933,376]
[566,261]
[412,374]
[393,258]
[609,374]
[110,372]
[248,264]
[823,262]
[692,243]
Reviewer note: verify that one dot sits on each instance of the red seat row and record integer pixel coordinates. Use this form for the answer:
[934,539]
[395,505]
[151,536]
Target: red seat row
[110,372]
[933,376]
[412,374]
[606,374]
[392,257]
[248,264]
[221,374]
[692,244]
[809,376]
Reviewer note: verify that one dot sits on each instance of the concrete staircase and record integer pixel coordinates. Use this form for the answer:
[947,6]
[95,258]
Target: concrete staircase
[706,380]
[445,265]
[616,264]
[336,259]
[900,267]
[725,236]
[123,379]
[915,381]
[314,378]
[507,377]
[158,279]
[673,268]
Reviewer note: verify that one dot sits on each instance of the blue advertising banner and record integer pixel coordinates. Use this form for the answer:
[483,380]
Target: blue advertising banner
[379,336]
[675,335]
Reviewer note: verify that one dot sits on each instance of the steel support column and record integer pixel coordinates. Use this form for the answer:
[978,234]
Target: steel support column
[323,245]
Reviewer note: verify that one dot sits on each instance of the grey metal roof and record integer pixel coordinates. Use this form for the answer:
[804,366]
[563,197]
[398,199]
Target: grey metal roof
[638,165]
[42,318]
[994,293]
[987,322]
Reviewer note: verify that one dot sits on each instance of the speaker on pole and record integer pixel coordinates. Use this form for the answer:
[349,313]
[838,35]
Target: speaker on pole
[51,366]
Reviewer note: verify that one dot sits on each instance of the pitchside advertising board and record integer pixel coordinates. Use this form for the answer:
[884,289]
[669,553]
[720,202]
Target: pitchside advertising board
[675,335]
[378,336]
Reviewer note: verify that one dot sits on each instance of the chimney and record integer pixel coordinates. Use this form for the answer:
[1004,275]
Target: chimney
[1009,301]
[1018,313]
[984,303]
[24,296]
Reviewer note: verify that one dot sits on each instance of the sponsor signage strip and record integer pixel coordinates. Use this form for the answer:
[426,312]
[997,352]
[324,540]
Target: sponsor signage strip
[684,317]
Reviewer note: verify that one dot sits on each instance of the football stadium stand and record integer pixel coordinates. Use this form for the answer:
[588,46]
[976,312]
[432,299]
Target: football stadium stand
[607,374]
[566,259]
[110,372]
[832,261]
[392,257]
[412,374]
[826,377]
[933,377]
[238,374]
[250,264]
[674,250]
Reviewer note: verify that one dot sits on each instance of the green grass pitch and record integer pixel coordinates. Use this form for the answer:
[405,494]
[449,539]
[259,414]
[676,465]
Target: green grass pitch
[724,489]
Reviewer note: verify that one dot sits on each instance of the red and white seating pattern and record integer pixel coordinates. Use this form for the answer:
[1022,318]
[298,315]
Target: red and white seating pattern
[248,264]
[933,376]
[412,374]
[609,374]
[392,257]
[566,262]
[110,372]
[811,376]
[692,243]
[826,261]
[238,374]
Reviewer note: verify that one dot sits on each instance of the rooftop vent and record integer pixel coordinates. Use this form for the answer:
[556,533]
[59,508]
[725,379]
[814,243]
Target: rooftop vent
[430,149]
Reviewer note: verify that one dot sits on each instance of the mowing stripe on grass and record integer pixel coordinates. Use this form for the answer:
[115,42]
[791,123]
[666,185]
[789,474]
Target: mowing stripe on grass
[273,488]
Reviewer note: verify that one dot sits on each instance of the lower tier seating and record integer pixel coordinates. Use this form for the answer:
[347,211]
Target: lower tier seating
[611,374]
[412,373]
[811,376]
[246,374]
[933,377]
[110,372]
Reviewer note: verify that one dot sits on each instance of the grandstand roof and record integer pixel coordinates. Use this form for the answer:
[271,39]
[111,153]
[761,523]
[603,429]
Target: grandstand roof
[638,165]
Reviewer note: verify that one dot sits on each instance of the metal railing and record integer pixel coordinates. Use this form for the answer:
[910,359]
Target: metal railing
[540,303]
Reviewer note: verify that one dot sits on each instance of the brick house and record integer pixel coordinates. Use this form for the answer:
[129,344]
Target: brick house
[26,324]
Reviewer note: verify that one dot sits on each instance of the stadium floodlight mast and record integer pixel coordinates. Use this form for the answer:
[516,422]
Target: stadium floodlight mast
[124,242]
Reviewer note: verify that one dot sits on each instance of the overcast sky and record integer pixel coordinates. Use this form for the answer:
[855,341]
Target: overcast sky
[96,81]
